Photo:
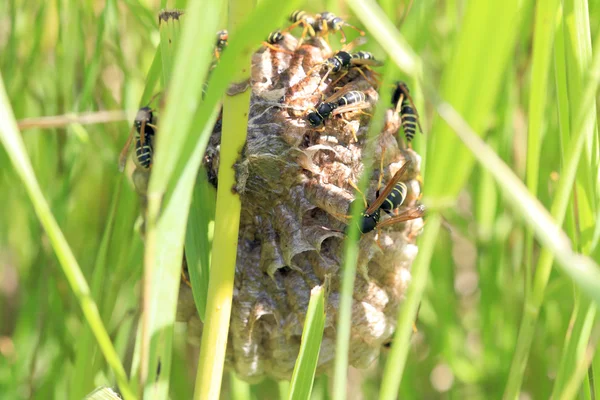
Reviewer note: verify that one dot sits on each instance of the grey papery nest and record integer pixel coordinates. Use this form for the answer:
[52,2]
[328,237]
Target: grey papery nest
[293,181]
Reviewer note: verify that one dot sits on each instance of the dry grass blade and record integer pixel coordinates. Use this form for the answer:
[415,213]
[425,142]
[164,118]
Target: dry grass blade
[59,121]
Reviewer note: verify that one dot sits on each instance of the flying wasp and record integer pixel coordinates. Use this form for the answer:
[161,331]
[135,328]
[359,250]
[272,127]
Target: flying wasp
[391,198]
[144,126]
[326,22]
[405,108]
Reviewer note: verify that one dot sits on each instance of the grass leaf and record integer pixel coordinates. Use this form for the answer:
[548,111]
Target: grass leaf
[310,345]
[13,143]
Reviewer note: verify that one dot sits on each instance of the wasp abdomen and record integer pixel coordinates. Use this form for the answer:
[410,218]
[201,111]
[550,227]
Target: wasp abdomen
[409,120]
[143,153]
[395,198]
[352,97]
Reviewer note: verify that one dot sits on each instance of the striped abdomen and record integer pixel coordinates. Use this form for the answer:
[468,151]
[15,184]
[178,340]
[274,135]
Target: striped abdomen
[351,97]
[300,15]
[395,198]
[143,153]
[275,37]
[363,55]
[409,119]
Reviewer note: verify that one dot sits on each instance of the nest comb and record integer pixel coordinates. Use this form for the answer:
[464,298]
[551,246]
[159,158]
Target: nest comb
[293,182]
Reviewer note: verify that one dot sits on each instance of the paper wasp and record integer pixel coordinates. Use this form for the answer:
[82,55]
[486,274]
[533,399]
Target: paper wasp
[404,106]
[144,126]
[344,100]
[344,60]
[326,21]
[221,43]
[274,42]
[307,21]
[391,198]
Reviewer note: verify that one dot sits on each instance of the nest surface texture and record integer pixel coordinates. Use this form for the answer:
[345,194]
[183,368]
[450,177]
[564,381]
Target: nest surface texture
[294,184]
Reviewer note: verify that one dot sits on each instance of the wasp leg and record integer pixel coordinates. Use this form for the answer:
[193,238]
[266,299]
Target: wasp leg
[339,78]
[374,81]
[278,49]
[343,40]
[378,241]
[380,172]
[351,130]
[322,79]
[358,191]
[307,29]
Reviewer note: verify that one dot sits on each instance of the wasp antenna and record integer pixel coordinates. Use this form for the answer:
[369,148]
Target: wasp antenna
[360,31]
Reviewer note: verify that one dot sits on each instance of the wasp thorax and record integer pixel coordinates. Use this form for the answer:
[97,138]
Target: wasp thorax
[295,183]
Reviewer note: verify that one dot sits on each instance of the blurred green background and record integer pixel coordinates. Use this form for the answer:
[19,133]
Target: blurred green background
[68,56]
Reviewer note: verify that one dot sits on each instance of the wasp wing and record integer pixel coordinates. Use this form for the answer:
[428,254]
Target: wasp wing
[388,189]
[125,152]
[351,107]
[411,213]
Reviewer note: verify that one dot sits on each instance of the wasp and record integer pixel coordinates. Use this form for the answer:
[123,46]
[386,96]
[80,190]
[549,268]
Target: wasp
[391,198]
[405,107]
[326,22]
[307,21]
[145,128]
[221,43]
[344,60]
[275,38]
[341,102]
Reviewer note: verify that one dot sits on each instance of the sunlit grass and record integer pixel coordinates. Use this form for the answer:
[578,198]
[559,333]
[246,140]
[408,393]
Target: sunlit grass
[493,311]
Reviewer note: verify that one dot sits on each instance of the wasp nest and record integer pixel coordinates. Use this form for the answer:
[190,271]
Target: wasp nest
[294,182]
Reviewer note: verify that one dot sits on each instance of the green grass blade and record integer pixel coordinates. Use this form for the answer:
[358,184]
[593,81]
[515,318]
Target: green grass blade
[394,367]
[244,40]
[578,58]
[583,270]
[580,269]
[351,249]
[383,30]
[166,230]
[240,390]
[15,148]
[545,27]
[93,70]
[471,89]
[169,32]
[575,348]
[197,241]
[83,376]
[154,74]
[227,221]
[310,345]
